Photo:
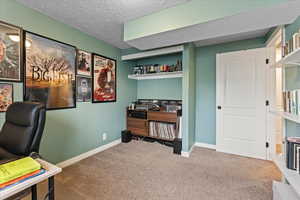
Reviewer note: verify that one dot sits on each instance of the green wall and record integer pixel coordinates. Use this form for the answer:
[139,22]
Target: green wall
[170,89]
[160,88]
[188,14]
[206,85]
[188,97]
[74,131]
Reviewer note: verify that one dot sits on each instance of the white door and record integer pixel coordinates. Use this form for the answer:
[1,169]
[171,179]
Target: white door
[241,103]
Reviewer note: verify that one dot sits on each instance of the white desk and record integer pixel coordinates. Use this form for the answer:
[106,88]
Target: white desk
[51,171]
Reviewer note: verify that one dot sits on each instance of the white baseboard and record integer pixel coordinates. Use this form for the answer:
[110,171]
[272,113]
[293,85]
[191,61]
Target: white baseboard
[187,154]
[80,157]
[205,145]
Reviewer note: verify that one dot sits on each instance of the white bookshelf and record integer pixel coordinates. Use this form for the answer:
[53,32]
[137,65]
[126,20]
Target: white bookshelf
[163,75]
[156,52]
[293,59]
[292,177]
[289,116]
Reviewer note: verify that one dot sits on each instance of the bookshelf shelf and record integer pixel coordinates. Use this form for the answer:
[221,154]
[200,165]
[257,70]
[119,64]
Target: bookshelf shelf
[293,59]
[288,116]
[163,75]
[291,176]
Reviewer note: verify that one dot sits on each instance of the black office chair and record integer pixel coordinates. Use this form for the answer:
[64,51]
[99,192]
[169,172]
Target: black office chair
[22,131]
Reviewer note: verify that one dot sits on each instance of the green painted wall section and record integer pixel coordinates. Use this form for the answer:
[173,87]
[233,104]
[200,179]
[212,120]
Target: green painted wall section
[74,131]
[188,97]
[190,13]
[206,85]
[161,88]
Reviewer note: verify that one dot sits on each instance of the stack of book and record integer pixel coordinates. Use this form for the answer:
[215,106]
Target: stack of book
[293,153]
[162,130]
[292,45]
[18,171]
[291,102]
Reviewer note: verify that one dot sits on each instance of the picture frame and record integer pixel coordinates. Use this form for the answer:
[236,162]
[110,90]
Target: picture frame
[104,79]
[84,63]
[11,52]
[84,89]
[49,72]
[6,96]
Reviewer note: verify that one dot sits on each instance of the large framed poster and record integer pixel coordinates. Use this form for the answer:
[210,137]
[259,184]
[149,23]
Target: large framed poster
[11,51]
[50,72]
[104,87]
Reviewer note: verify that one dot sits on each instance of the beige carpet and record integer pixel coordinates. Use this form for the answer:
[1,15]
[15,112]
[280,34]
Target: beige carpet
[149,171]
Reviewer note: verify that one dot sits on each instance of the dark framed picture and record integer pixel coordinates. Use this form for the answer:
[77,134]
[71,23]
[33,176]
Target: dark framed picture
[84,89]
[6,96]
[104,87]
[84,63]
[50,72]
[11,52]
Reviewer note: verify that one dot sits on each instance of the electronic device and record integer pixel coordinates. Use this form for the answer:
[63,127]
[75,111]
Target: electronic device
[140,114]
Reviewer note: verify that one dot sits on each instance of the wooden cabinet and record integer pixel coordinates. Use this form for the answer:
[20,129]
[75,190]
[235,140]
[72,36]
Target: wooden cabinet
[162,116]
[137,126]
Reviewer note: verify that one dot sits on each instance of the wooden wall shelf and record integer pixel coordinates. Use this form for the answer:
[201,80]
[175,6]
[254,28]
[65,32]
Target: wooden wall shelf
[163,75]
[288,116]
[292,59]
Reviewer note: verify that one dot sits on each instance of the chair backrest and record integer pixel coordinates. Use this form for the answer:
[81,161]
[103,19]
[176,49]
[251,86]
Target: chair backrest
[22,131]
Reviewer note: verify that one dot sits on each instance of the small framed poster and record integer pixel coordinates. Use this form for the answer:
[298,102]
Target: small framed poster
[6,96]
[11,52]
[84,63]
[84,89]
[104,75]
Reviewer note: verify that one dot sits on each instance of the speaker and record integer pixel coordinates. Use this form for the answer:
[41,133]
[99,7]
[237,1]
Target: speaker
[177,146]
[126,136]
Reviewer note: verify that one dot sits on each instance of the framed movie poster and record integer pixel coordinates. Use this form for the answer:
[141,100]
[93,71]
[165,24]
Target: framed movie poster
[104,79]
[10,52]
[84,89]
[84,63]
[50,72]
[6,96]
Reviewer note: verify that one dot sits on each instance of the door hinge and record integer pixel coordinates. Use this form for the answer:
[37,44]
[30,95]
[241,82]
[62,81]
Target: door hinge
[267,145]
[267,61]
[267,103]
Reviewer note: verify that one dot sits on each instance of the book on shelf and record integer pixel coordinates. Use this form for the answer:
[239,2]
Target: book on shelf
[294,106]
[292,45]
[293,153]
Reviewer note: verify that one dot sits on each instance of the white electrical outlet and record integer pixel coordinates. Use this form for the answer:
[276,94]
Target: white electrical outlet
[104,136]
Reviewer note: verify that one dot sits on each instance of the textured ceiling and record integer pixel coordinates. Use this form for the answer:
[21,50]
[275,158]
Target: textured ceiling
[102,19]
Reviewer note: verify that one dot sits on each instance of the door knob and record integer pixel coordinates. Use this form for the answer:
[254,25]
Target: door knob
[219,107]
